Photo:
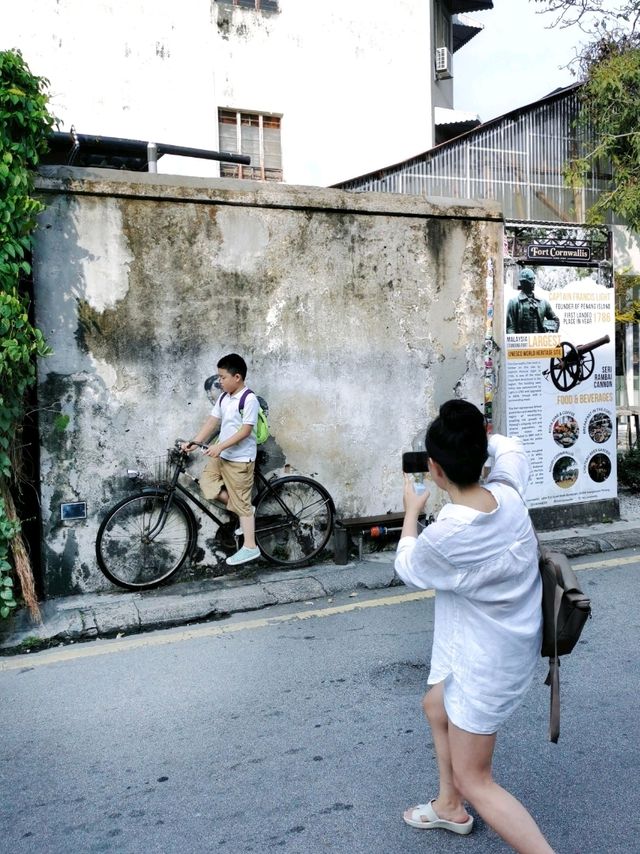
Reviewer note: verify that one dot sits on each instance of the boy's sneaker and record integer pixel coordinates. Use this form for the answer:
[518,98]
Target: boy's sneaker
[245,555]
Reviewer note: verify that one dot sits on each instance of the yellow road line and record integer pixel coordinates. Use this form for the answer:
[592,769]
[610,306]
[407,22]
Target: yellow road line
[107,647]
[604,564]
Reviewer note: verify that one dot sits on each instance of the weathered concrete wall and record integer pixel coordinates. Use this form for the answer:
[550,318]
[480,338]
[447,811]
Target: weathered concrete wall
[357,314]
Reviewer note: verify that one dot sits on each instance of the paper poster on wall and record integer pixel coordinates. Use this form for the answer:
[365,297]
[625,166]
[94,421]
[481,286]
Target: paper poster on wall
[560,379]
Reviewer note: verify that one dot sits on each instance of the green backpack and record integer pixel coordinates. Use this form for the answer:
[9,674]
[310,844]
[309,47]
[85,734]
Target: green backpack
[261,430]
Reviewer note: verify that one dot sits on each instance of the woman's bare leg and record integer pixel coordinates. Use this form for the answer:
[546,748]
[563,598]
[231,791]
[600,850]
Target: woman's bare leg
[471,756]
[449,804]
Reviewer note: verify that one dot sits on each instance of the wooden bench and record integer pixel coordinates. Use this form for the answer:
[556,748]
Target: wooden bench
[365,526]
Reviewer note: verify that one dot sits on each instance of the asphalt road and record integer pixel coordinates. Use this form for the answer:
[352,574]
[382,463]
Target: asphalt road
[268,732]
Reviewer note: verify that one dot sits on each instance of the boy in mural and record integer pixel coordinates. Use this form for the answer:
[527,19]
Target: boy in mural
[228,475]
[528,314]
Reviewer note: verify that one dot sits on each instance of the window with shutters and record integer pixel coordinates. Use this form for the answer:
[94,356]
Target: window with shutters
[255,134]
[260,5]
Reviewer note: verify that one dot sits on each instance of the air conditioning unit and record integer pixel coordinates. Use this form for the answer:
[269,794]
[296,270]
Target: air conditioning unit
[444,62]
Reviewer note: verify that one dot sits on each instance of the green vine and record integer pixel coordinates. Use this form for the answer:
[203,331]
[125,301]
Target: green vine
[25,123]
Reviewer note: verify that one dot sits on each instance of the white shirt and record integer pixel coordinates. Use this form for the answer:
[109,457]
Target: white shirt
[231,420]
[488,615]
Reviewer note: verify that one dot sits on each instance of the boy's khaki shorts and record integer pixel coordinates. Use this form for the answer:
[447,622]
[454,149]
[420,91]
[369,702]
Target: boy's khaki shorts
[235,477]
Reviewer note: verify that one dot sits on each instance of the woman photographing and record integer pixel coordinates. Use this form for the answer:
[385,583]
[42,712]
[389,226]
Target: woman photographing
[481,558]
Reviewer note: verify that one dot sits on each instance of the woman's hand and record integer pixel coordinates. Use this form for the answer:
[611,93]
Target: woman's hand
[414,504]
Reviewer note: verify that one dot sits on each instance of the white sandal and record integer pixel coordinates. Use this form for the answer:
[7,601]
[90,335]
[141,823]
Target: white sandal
[425,818]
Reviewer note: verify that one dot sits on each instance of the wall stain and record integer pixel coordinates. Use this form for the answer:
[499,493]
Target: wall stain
[61,566]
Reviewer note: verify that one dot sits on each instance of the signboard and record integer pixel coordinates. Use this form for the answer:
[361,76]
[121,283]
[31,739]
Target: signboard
[560,379]
[541,252]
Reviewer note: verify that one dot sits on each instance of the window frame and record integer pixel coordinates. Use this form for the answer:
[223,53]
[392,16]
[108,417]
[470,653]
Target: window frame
[256,5]
[254,172]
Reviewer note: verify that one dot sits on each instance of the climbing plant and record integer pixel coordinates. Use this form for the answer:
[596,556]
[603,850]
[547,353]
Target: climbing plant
[611,105]
[25,123]
[607,61]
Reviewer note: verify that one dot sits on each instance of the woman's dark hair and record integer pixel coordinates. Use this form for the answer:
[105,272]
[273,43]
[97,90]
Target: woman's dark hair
[234,364]
[457,440]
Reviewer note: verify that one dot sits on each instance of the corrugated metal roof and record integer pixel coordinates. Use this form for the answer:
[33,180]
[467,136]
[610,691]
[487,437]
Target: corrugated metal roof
[514,114]
[464,29]
[517,160]
[456,6]
[445,116]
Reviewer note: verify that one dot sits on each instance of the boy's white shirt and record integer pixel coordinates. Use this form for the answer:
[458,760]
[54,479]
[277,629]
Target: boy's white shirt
[226,409]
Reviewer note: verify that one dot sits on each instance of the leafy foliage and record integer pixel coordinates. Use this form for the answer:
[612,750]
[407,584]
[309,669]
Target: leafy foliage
[611,103]
[25,123]
[8,530]
[627,308]
[629,468]
[609,65]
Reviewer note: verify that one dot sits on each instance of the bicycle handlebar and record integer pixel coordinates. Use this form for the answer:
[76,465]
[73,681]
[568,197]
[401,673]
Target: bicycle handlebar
[191,442]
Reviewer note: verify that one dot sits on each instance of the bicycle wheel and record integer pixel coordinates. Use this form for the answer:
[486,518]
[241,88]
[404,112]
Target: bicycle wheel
[132,559]
[294,520]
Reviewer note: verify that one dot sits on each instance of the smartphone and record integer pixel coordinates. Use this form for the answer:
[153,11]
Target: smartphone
[415,461]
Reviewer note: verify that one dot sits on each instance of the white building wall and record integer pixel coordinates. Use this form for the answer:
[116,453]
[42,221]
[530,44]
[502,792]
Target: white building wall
[352,80]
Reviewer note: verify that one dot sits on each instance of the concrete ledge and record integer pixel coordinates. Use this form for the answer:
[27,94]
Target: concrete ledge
[231,191]
[571,515]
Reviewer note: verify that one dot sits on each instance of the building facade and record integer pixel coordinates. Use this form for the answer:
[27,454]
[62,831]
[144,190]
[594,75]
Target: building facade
[313,92]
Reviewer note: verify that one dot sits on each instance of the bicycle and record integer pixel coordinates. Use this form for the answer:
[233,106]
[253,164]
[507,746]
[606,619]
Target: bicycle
[146,537]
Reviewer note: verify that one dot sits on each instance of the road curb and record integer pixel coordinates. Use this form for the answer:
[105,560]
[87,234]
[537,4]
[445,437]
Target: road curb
[88,617]
[83,618]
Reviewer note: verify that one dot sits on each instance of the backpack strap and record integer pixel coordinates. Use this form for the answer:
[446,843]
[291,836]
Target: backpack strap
[553,676]
[243,399]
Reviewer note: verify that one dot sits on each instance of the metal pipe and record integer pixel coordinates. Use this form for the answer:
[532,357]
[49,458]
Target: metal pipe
[152,157]
[139,148]
[203,154]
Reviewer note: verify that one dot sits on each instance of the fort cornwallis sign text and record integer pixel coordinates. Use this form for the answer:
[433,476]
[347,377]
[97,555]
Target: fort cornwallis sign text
[562,254]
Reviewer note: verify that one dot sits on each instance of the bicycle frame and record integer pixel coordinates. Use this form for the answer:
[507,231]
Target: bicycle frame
[174,486]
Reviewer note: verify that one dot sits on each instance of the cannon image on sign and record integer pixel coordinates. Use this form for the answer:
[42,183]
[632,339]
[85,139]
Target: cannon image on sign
[575,365]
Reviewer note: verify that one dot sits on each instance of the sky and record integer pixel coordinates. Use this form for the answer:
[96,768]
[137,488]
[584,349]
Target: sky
[514,61]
